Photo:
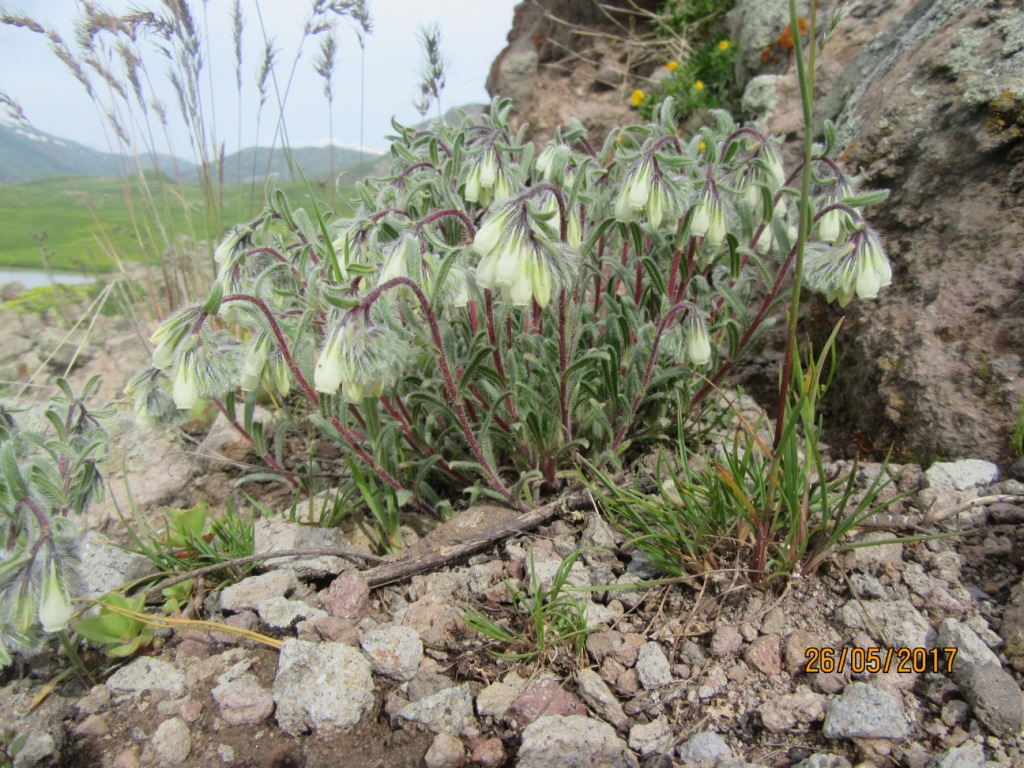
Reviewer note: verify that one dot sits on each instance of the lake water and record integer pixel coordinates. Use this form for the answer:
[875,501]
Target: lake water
[33,278]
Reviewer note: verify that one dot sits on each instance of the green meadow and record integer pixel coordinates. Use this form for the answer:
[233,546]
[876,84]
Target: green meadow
[86,224]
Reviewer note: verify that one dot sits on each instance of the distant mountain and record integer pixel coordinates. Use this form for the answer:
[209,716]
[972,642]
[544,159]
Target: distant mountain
[28,155]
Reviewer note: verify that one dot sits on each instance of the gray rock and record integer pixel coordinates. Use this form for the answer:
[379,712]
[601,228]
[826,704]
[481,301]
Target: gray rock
[319,687]
[448,711]
[275,534]
[761,95]
[970,648]
[652,666]
[282,613]
[243,701]
[394,651]
[640,565]
[900,623]
[726,641]
[865,712]
[251,592]
[446,751]
[172,742]
[496,698]
[793,710]
[347,597]
[596,694]
[822,760]
[147,674]
[968,755]
[653,738]
[706,745]
[994,696]
[573,742]
[871,559]
[867,586]
[104,567]
[962,475]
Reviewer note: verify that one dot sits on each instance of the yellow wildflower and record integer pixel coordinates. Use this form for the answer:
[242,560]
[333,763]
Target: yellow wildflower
[672,66]
[699,85]
[637,98]
[723,45]
[702,146]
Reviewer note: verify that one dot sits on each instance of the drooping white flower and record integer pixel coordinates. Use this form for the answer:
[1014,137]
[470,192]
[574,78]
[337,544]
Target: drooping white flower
[54,606]
[186,389]
[698,343]
[255,360]
[829,226]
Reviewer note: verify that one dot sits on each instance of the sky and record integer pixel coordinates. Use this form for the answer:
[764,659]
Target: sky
[473,34]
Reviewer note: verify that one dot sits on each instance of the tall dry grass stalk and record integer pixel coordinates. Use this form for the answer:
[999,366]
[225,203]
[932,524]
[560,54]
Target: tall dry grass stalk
[124,62]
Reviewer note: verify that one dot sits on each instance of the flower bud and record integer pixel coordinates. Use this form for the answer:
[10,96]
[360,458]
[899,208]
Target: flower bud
[488,170]
[829,227]
[701,218]
[698,345]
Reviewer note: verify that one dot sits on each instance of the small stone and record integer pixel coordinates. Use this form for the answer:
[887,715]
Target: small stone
[876,557]
[765,654]
[573,742]
[793,710]
[726,641]
[600,644]
[226,753]
[653,738]
[321,686]
[172,741]
[446,751]
[97,725]
[250,593]
[652,666]
[541,698]
[97,699]
[971,649]
[797,645]
[961,475]
[822,760]
[394,652]
[276,534]
[448,711]
[628,683]
[243,701]
[706,745]
[626,652]
[600,699]
[126,758]
[428,680]
[434,618]
[496,698]
[865,712]
[970,755]
[489,753]
[900,623]
[247,620]
[955,712]
[994,696]
[282,613]
[147,674]
[775,622]
[347,597]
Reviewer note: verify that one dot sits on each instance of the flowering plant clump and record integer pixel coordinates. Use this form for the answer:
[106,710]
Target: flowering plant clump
[494,311]
[706,80]
[43,481]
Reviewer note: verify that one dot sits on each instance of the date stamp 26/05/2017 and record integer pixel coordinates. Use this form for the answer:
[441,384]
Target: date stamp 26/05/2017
[879,660]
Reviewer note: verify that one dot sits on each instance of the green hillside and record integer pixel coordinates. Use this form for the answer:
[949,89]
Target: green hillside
[78,222]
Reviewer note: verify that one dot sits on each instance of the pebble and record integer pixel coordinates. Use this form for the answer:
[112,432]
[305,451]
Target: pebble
[822,760]
[275,534]
[994,696]
[250,593]
[243,701]
[962,475]
[147,674]
[321,686]
[726,641]
[969,755]
[865,712]
[793,710]
[394,651]
[706,745]
[489,753]
[347,597]
[653,738]
[541,698]
[899,622]
[595,692]
[496,698]
[970,648]
[172,741]
[282,613]
[652,666]
[446,751]
[765,654]
[97,725]
[573,742]
[448,711]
